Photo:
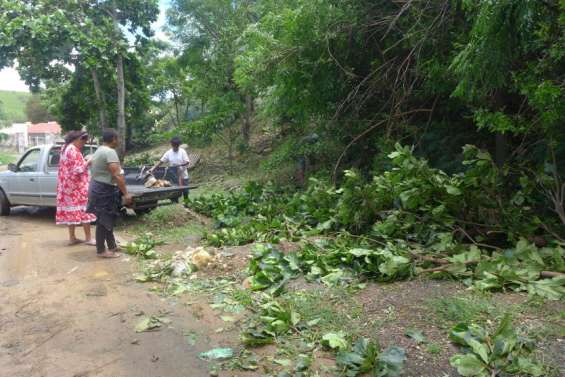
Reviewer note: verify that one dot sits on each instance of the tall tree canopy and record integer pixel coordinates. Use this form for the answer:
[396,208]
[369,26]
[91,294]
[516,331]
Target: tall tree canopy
[36,111]
[57,42]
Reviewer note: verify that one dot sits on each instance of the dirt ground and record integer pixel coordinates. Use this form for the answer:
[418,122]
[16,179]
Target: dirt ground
[64,312]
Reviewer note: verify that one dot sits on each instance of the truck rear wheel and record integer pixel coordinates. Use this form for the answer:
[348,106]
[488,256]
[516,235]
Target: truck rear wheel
[4,204]
[148,207]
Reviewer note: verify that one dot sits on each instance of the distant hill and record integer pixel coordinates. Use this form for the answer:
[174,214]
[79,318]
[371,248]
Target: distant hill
[13,105]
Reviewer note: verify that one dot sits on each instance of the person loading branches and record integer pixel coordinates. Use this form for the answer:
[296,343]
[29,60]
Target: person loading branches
[178,158]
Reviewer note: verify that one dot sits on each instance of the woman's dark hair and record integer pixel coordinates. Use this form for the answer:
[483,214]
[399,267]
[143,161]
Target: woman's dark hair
[74,135]
[108,135]
[176,141]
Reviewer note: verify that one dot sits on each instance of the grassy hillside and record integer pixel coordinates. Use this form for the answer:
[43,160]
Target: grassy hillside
[13,105]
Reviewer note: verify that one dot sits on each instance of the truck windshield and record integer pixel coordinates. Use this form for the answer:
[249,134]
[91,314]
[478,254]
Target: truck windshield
[29,161]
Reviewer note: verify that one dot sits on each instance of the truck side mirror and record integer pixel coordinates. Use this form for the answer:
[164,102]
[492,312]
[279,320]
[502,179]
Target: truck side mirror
[12,167]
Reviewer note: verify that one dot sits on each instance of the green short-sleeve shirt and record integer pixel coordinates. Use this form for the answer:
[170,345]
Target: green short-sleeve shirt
[99,168]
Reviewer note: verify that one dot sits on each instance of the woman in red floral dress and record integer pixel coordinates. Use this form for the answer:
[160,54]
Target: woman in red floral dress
[72,188]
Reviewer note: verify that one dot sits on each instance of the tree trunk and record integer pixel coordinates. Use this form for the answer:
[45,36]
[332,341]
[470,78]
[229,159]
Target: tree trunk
[102,113]
[246,124]
[121,118]
[121,121]
[177,112]
[501,149]
[501,140]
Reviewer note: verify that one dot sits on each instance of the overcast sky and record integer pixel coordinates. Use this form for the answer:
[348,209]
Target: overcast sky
[10,79]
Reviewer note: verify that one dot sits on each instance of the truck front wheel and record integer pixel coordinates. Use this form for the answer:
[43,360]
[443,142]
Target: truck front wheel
[4,204]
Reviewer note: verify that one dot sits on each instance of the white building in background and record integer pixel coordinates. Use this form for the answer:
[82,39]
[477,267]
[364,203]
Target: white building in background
[18,138]
[24,135]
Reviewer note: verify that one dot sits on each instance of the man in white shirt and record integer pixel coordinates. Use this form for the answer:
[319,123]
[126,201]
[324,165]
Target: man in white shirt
[176,157]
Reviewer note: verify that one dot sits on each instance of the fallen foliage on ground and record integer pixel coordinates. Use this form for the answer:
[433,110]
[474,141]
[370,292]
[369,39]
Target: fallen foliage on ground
[410,220]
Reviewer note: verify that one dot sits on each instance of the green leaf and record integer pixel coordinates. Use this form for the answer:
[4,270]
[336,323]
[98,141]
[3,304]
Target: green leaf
[361,252]
[334,278]
[474,254]
[526,366]
[458,334]
[390,362]
[283,362]
[479,348]
[313,322]
[148,324]
[335,341]
[350,360]
[468,365]
[410,198]
[394,265]
[552,289]
[217,354]
[504,345]
[294,318]
[488,282]
[304,362]
[504,329]
[417,335]
[256,338]
[452,190]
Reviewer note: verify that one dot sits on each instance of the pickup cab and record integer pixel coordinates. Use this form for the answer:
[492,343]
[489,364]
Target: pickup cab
[32,181]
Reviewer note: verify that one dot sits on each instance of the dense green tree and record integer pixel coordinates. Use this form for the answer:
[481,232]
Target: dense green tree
[47,36]
[171,85]
[36,111]
[208,32]
[364,74]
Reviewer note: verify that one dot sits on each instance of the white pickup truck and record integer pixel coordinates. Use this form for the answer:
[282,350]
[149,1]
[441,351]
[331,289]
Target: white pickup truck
[32,181]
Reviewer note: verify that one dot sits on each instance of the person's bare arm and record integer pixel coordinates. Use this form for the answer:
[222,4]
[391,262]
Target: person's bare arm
[115,170]
[155,166]
[187,162]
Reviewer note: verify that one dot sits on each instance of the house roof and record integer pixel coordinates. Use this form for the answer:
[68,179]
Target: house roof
[45,128]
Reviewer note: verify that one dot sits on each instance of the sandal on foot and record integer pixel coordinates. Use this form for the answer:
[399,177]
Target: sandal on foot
[90,243]
[75,242]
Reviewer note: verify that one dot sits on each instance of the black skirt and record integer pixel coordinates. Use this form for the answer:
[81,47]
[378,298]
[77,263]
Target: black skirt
[104,201]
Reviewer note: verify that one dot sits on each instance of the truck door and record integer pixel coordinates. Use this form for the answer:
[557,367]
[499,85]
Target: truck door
[48,180]
[24,185]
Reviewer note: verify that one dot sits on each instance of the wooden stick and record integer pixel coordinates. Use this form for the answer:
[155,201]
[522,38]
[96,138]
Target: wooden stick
[543,274]
[551,274]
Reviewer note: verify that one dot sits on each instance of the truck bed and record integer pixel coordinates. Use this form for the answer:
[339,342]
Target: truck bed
[144,197]
[139,190]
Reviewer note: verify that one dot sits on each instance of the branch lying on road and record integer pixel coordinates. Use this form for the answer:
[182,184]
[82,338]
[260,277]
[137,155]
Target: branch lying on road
[445,262]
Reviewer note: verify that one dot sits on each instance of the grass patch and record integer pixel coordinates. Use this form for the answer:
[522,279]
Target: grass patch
[332,309]
[13,104]
[166,216]
[465,308]
[7,158]
[434,349]
[171,223]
